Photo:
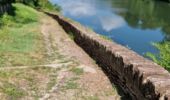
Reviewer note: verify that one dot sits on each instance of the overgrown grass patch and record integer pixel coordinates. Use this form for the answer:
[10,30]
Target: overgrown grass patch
[22,15]
[25,14]
[20,38]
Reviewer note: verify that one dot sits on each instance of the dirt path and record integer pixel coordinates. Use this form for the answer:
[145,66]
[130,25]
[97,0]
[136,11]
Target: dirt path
[67,74]
[91,83]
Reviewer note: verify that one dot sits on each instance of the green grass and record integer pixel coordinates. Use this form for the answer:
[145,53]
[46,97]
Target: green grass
[23,15]
[77,71]
[41,4]
[20,39]
[12,91]
[71,85]
[4,74]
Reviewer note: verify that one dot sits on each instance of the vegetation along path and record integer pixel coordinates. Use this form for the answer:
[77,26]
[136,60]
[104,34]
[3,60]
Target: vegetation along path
[42,62]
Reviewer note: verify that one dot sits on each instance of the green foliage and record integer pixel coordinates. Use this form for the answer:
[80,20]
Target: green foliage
[163,58]
[19,37]
[46,5]
[41,4]
[12,36]
[5,20]
[28,2]
[23,15]
[5,1]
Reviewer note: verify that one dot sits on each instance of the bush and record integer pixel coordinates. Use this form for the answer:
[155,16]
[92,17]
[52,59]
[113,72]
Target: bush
[23,14]
[163,58]
[40,4]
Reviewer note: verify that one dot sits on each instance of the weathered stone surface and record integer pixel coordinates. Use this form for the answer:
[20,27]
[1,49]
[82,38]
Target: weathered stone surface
[141,78]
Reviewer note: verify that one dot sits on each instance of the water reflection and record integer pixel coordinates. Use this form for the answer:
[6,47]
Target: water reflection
[77,9]
[133,23]
[111,22]
[151,15]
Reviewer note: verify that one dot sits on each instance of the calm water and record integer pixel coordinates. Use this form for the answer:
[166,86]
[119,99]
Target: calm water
[132,23]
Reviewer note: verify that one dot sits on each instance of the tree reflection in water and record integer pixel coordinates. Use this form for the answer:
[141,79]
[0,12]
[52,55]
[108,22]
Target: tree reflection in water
[147,14]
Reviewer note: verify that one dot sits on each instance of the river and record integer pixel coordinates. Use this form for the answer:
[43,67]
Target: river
[135,24]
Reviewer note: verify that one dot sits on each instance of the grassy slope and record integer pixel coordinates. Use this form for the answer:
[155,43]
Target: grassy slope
[20,38]
[21,43]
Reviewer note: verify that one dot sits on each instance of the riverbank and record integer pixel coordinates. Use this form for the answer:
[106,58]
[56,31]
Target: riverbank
[62,73]
[139,25]
[38,61]
[136,75]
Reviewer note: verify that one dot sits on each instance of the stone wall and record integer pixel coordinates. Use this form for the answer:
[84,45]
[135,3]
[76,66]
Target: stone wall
[141,78]
[5,8]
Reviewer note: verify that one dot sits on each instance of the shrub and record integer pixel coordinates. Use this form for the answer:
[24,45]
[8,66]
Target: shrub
[163,58]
